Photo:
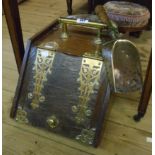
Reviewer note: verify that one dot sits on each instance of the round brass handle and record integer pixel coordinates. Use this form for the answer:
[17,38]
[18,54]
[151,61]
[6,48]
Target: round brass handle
[68,21]
[52,121]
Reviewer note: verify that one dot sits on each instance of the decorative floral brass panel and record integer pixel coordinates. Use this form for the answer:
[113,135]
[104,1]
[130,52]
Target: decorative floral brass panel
[86,136]
[52,121]
[89,78]
[21,115]
[43,66]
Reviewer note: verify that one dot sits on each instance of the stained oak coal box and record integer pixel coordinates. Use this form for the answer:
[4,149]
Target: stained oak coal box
[62,91]
[64,85]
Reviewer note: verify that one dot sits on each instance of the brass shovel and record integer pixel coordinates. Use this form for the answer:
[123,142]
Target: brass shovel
[121,58]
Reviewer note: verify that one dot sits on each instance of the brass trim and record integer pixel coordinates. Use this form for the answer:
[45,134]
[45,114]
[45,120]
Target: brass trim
[52,46]
[87,24]
[52,121]
[64,34]
[21,115]
[89,76]
[86,136]
[43,66]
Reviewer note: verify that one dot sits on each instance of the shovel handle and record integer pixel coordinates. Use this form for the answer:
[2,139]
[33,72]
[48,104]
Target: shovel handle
[100,11]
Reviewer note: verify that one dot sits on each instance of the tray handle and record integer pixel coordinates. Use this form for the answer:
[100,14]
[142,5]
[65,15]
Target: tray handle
[81,22]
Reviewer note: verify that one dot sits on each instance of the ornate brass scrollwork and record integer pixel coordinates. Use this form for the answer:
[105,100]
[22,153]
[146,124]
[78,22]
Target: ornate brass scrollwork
[21,115]
[86,136]
[52,121]
[43,66]
[89,78]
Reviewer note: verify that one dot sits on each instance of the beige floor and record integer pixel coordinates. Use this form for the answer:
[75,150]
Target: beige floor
[121,135]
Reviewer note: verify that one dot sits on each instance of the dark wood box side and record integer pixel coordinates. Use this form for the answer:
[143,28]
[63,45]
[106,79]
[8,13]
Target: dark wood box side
[20,80]
[100,122]
[30,43]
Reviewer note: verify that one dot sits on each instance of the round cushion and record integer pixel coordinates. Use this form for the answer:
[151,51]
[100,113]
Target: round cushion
[127,14]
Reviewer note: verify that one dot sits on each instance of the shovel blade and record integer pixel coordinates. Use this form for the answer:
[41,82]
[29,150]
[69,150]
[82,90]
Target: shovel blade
[126,67]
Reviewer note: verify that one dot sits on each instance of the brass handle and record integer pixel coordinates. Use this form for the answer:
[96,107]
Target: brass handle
[52,121]
[81,22]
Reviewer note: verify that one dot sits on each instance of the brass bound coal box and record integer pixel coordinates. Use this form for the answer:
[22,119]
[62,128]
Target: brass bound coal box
[66,80]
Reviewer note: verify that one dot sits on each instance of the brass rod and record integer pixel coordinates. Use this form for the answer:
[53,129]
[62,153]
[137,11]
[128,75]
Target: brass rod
[89,24]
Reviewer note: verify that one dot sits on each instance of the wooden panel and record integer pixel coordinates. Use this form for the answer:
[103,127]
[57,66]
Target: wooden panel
[33,144]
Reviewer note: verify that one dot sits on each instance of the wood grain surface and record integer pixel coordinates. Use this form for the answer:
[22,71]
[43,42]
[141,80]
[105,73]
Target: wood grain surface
[120,136]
